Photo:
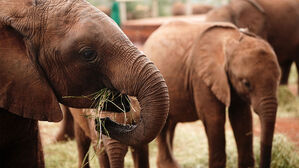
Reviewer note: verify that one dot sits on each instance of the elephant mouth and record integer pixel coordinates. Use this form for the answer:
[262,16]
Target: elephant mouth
[110,101]
[106,99]
[113,101]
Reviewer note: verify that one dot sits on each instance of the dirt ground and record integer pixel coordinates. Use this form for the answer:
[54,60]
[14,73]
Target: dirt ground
[286,126]
[289,127]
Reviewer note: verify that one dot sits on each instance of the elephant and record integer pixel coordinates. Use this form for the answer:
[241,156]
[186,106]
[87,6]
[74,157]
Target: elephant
[178,8]
[49,49]
[110,152]
[276,21]
[210,67]
[201,9]
[104,9]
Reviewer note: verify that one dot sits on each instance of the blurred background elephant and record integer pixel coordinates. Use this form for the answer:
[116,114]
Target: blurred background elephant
[104,9]
[198,9]
[178,8]
[49,49]
[277,21]
[211,66]
[110,152]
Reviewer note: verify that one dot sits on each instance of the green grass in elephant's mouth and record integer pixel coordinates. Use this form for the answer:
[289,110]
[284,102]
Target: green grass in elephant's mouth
[105,100]
[105,97]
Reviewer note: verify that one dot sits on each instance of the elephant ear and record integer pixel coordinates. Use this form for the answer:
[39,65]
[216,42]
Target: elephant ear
[210,59]
[24,90]
[19,15]
[249,14]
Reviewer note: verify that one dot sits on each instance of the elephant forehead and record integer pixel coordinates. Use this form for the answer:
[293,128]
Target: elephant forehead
[255,63]
[62,17]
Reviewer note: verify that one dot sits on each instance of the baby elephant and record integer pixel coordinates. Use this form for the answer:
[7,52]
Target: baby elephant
[211,66]
[110,152]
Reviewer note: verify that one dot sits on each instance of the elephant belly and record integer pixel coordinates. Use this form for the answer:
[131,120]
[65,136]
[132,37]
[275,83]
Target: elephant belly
[182,108]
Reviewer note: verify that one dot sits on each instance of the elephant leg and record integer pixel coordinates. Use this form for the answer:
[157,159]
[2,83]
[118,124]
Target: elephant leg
[83,144]
[67,125]
[285,71]
[165,157]
[41,160]
[241,121]
[140,156]
[171,134]
[103,156]
[212,113]
[116,152]
[27,151]
[214,121]
[20,143]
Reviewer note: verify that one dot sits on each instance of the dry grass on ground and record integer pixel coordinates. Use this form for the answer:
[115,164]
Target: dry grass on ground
[190,149]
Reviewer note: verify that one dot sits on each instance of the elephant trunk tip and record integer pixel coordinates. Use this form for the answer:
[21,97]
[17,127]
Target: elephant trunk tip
[267,134]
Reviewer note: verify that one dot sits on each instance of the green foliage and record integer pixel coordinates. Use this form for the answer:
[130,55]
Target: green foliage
[164,5]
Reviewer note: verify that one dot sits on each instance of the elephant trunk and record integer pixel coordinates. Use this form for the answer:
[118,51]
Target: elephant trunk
[267,113]
[143,80]
[116,152]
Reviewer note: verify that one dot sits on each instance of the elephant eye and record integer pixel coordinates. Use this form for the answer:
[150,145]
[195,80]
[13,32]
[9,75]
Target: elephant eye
[246,83]
[88,54]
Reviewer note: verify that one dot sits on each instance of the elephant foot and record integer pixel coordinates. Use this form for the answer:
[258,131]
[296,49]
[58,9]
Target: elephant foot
[168,164]
[63,137]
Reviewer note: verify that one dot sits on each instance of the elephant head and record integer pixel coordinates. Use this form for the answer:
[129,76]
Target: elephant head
[50,49]
[244,14]
[242,66]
